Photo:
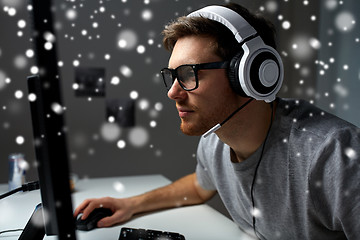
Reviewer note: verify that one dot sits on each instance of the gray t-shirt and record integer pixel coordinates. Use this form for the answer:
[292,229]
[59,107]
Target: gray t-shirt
[308,181]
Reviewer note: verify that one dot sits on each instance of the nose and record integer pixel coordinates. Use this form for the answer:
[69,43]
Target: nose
[176,92]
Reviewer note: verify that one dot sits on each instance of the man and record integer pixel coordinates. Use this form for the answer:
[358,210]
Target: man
[284,169]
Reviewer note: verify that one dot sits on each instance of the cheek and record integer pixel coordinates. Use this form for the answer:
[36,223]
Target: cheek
[219,103]
[219,90]
[215,97]
[212,79]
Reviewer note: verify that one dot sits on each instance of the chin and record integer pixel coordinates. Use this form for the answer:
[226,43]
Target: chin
[191,133]
[192,130]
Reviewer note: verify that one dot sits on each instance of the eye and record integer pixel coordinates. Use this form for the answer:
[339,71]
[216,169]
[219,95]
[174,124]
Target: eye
[186,73]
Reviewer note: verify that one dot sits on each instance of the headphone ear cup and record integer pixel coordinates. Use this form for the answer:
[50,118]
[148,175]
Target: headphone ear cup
[258,74]
[233,74]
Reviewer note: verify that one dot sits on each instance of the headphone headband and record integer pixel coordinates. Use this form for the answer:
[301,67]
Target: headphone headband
[233,21]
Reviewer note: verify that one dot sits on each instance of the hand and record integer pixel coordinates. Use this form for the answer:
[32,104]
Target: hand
[121,208]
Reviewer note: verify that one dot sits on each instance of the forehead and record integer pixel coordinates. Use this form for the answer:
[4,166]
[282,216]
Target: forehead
[193,50]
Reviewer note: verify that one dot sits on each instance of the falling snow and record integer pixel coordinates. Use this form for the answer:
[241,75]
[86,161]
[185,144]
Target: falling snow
[256,212]
[110,131]
[351,153]
[124,37]
[119,187]
[138,136]
[20,140]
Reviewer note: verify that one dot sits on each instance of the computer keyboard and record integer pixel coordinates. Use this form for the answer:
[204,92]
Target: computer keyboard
[148,234]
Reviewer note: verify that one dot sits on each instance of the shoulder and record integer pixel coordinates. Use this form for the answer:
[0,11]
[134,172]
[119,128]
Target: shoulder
[326,139]
[332,146]
[210,146]
[306,117]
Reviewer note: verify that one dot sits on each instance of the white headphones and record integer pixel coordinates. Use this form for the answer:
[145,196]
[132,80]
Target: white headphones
[257,71]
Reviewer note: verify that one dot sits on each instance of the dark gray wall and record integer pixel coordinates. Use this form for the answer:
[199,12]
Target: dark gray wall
[167,151]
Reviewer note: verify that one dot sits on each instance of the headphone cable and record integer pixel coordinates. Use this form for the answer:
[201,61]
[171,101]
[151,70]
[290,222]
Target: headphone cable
[256,170]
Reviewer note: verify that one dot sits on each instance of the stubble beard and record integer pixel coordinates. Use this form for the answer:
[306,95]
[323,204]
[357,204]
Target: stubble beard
[197,127]
[191,130]
[202,124]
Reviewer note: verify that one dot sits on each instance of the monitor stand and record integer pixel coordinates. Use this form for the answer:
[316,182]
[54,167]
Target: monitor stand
[35,228]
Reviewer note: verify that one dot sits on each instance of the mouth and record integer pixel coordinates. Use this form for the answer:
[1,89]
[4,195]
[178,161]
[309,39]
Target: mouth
[184,112]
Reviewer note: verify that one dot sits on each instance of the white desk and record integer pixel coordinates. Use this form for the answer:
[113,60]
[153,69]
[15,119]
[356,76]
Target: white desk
[194,222]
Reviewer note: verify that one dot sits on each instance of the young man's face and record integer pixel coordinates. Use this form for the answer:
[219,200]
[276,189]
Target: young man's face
[213,100]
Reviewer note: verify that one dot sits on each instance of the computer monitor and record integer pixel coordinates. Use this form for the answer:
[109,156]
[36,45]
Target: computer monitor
[49,135]
[53,167]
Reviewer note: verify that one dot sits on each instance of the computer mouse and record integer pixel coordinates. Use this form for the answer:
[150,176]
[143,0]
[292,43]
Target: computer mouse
[90,222]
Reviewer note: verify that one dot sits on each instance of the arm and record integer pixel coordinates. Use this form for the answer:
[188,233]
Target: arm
[334,183]
[185,191]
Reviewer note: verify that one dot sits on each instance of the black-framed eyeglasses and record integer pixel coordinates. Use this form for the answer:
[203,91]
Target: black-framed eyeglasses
[187,74]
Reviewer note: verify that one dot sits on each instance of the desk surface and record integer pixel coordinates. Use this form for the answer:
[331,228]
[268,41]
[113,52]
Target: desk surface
[194,222]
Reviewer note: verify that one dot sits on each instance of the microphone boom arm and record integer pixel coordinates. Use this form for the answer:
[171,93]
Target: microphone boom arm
[219,125]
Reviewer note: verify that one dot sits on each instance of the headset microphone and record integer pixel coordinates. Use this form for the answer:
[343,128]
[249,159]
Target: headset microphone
[219,125]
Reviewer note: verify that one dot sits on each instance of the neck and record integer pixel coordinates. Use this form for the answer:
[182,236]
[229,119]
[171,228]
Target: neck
[245,132]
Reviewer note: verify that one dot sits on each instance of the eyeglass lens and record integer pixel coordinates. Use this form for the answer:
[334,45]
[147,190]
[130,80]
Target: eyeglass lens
[184,74]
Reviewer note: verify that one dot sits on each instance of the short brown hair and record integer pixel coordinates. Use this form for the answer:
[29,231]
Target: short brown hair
[226,44]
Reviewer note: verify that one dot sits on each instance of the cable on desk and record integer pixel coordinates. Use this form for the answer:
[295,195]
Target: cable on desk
[25,188]
[13,230]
